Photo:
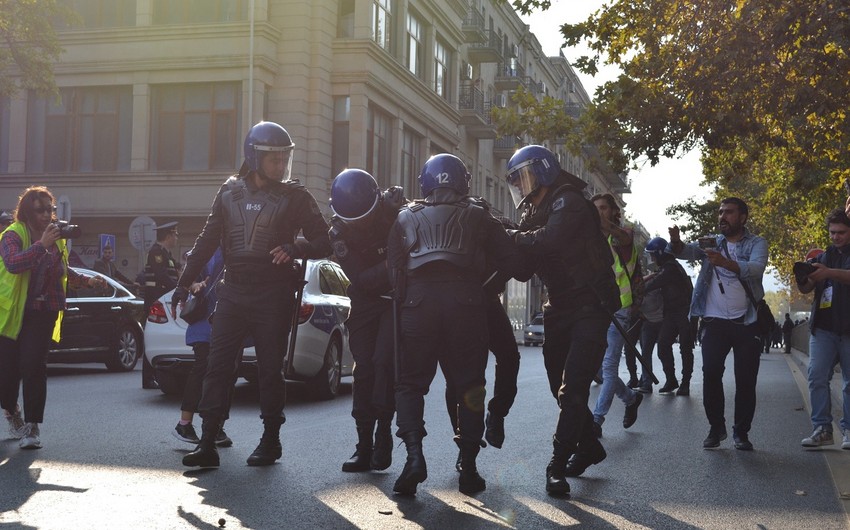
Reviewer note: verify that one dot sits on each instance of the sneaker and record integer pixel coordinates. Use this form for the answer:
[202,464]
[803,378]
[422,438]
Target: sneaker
[222,439]
[715,436]
[16,424]
[845,442]
[31,438]
[186,433]
[821,436]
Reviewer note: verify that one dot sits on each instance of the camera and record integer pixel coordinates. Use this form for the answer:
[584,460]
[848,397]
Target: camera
[707,242]
[67,230]
[802,269]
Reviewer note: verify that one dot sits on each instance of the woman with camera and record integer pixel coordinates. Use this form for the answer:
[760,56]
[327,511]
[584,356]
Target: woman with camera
[34,276]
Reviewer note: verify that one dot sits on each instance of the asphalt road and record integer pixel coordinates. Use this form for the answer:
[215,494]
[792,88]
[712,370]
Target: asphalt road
[109,461]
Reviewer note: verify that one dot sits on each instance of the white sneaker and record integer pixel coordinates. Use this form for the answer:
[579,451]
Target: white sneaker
[820,436]
[31,438]
[16,424]
[845,443]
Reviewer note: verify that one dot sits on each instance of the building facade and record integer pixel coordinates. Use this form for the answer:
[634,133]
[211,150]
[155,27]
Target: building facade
[155,98]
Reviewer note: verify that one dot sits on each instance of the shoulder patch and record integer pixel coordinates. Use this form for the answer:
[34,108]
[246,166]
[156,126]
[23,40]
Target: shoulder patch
[340,249]
[158,258]
[558,204]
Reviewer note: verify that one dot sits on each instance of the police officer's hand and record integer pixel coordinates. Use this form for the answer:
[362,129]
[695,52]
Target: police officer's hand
[179,297]
[393,197]
[285,253]
[507,223]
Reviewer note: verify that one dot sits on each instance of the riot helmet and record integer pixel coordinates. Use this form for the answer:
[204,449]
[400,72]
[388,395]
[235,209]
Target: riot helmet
[531,167]
[354,195]
[657,247]
[267,137]
[444,171]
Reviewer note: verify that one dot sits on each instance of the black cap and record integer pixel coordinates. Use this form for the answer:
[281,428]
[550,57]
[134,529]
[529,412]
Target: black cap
[166,226]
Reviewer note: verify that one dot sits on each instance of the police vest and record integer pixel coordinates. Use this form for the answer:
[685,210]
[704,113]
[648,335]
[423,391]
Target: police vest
[623,274]
[442,232]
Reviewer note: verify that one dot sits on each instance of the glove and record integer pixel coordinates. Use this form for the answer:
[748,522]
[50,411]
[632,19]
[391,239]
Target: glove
[181,294]
[507,222]
[292,249]
[393,197]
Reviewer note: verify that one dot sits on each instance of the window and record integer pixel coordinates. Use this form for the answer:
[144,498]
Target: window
[414,45]
[339,153]
[105,13]
[381,22]
[345,19]
[194,126]
[441,69]
[377,146]
[411,162]
[85,130]
[198,11]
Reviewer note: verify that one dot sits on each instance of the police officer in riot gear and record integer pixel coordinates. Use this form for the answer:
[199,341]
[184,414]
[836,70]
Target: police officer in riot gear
[560,230]
[255,217]
[437,253]
[161,268]
[362,219]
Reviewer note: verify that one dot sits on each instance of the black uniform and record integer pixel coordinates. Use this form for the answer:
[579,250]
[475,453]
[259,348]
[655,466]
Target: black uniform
[676,290]
[574,261]
[160,273]
[437,253]
[256,297]
[362,253]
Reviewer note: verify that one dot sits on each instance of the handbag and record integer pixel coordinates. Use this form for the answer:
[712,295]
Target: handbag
[196,307]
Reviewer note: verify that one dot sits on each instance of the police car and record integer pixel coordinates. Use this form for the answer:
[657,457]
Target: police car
[322,356]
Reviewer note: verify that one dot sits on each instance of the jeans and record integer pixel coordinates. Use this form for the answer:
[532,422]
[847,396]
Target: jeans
[611,383]
[719,337]
[826,349]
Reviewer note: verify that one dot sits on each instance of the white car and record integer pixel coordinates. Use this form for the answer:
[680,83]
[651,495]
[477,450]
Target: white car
[532,333]
[321,358]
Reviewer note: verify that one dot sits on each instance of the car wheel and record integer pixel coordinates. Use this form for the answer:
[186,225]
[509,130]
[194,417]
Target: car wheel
[325,384]
[126,354]
[170,384]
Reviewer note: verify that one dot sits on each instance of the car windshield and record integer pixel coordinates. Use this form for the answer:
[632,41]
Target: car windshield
[538,321]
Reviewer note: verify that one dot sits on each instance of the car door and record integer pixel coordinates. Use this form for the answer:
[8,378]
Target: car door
[90,319]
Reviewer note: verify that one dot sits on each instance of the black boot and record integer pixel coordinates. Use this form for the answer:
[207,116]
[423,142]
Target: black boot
[415,470]
[495,429]
[671,385]
[269,449]
[588,453]
[382,454]
[556,478]
[206,454]
[685,387]
[361,459]
[470,481]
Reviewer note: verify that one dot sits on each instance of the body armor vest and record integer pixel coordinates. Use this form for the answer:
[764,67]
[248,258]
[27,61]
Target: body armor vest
[256,222]
[442,232]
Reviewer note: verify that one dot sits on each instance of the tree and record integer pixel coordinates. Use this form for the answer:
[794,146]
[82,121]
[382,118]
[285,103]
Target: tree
[28,44]
[762,87]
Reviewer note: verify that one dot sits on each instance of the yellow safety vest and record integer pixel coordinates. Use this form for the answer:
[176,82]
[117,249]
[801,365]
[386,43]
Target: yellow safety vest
[13,290]
[623,273]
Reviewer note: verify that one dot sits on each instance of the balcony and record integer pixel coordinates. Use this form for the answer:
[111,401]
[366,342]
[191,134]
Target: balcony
[618,182]
[509,77]
[487,51]
[475,113]
[473,26]
[505,147]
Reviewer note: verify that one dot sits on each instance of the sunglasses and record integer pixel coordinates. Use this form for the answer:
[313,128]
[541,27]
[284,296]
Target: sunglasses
[47,209]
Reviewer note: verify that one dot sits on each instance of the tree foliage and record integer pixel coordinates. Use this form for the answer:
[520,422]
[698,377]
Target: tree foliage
[762,87]
[28,44]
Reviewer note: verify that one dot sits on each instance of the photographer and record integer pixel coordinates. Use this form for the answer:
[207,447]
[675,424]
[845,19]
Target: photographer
[733,264]
[34,275]
[828,275]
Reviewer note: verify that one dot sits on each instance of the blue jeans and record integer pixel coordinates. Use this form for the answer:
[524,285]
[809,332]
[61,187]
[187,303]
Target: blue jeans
[611,383]
[826,349]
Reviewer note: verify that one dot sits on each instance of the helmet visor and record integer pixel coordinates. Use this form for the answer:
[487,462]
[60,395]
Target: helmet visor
[523,181]
[275,162]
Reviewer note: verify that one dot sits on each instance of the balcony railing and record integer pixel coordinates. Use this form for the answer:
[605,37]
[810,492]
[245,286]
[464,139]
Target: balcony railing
[473,26]
[509,77]
[487,51]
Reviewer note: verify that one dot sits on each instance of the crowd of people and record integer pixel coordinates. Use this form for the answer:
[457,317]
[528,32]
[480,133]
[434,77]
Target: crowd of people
[426,278]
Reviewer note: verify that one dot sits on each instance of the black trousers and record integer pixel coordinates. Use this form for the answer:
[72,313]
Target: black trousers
[195,381]
[648,339]
[23,362]
[371,341]
[443,322]
[502,342]
[572,354]
[719,337]
[266,317]
[673,325]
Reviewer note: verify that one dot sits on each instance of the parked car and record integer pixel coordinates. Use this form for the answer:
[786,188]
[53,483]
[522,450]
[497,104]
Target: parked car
[532,333]
[322,356]
[101,326]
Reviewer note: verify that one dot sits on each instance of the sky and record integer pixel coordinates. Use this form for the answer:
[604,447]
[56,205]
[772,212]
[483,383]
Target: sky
[653,189]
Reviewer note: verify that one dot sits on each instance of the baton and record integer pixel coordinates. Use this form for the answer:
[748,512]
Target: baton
[293,330]
[396,325]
